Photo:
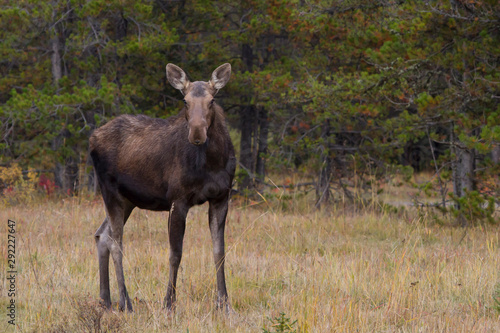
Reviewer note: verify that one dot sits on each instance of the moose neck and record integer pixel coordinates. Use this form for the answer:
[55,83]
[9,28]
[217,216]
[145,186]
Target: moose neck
[217,133]
[212,151]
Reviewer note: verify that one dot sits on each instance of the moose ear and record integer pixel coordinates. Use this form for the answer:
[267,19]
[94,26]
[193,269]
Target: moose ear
[220,76]
[177,78]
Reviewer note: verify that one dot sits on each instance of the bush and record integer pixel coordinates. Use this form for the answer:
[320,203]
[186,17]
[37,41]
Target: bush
[16,188]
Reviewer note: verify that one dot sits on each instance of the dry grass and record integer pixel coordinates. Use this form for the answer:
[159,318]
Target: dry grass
[332,272]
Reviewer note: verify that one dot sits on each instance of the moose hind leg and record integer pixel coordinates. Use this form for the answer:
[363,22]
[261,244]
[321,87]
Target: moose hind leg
[101,236]
[117,218]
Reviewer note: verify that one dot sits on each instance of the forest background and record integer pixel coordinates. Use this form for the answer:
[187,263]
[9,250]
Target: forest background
[344,95]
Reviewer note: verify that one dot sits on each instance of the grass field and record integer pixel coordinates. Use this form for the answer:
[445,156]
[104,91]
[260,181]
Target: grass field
[333,271]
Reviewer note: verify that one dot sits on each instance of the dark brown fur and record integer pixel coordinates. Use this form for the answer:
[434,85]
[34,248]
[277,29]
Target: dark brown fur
[155,164]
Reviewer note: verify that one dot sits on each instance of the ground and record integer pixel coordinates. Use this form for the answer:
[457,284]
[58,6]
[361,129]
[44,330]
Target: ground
[331,271]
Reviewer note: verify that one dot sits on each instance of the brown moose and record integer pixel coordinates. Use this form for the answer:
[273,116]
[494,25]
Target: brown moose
[165,165]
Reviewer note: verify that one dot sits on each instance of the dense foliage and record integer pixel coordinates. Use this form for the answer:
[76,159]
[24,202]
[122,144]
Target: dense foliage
[331,89]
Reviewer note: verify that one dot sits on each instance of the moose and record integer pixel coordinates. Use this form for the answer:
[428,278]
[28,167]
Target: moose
[165,165]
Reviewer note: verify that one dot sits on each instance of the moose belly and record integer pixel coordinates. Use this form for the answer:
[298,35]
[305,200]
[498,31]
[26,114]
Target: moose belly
[143,195]
[198,193]
[160,196]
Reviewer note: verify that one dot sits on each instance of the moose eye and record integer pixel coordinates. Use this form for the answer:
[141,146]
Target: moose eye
[184,101]
[212,102]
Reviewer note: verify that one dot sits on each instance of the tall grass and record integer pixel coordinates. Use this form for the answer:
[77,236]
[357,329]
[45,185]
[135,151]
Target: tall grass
[333,271]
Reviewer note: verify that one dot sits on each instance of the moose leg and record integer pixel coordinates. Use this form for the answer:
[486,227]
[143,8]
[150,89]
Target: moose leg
[176,229]
[117,217]
[103,253]
[110,242]
[217,220]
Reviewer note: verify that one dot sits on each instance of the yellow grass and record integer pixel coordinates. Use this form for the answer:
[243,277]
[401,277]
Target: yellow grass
[332,272]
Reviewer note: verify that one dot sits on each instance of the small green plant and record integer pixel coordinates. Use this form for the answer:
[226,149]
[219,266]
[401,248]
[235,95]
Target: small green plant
[281,324]
[474,207]
[496,298]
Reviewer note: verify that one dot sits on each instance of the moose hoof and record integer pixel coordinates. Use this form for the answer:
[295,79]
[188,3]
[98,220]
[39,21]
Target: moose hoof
[105,304]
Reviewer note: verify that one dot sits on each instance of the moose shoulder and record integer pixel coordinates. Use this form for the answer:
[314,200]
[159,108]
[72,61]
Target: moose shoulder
[165,164]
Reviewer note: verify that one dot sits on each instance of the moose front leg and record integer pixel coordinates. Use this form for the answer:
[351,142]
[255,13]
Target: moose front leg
[176,229]
[217,220]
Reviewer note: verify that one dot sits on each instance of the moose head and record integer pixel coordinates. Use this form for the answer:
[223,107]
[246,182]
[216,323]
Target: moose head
[198,98]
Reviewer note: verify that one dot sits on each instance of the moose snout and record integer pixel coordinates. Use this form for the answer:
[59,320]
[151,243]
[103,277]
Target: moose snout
[197,135]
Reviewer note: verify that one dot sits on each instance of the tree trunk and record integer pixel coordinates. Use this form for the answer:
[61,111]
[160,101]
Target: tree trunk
[464,165]
[454,166]
[323,184]
[246,156]
[463,176]
[56,76]
[121,27]
[465,170]
[247,55]
[66,173]
[495,154]
[495,157]
[71,180]
[59,167]
[247,115]
[260,168]
[56,58]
